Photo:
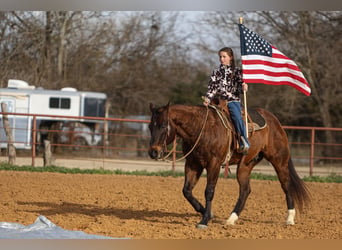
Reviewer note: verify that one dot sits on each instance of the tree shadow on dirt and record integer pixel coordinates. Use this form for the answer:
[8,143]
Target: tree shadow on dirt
[49,208]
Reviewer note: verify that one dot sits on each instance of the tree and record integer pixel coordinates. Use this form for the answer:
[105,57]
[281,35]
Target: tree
[309,38]
[135,57]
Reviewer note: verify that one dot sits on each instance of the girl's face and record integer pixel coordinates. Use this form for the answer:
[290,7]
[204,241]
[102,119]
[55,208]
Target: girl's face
[225,59]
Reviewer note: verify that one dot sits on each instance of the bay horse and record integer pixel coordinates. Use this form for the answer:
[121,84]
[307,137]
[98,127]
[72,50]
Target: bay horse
[206,141]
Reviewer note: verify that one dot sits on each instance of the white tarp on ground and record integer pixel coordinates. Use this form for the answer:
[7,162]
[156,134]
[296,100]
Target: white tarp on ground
[42,228]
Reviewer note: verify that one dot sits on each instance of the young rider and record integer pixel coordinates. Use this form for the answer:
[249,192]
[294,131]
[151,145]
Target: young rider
[226,83]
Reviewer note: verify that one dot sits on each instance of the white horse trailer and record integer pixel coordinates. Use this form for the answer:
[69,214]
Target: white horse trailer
[20,97]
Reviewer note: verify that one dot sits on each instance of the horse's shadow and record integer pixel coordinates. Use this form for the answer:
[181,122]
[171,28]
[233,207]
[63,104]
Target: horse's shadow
[50,208]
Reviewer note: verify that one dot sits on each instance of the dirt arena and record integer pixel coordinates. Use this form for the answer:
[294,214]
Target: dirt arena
[142,207]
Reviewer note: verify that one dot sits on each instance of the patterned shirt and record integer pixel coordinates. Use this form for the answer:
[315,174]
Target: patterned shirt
[222,84]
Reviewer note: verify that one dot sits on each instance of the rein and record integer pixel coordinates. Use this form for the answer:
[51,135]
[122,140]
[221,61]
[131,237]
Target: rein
[196,143]
[227,125]
[224,119]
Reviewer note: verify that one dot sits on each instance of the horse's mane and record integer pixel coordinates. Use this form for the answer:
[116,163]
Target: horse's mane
[192,111]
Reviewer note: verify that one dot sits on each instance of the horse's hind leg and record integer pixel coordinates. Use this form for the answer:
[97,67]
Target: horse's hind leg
[294,188]
[280,164]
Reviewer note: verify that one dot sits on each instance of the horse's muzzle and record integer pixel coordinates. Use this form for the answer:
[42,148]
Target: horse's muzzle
[155,152]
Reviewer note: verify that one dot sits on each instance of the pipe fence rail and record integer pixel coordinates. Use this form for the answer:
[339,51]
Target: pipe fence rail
[129,138]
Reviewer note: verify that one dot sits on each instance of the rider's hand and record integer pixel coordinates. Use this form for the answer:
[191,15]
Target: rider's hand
[206,101]
[244,87]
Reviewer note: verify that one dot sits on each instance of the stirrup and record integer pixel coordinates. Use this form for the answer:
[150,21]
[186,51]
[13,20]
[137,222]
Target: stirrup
[245,147]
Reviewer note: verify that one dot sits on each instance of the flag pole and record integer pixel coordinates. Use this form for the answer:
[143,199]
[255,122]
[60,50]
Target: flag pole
[245,95]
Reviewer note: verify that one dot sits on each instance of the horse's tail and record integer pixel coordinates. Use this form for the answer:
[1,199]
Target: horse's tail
[298,189]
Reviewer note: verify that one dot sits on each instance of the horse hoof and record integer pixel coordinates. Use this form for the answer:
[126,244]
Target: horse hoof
[291,216]
[290,222]
[201,226]
[229,223]
[232,219]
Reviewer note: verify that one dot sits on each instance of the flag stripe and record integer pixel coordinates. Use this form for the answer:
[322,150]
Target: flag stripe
[269,67]
[268,63]
[269,79]
[273,74]
[261,66]
[304,89]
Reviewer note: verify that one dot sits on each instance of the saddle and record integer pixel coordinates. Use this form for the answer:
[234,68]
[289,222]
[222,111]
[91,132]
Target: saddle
[255,120]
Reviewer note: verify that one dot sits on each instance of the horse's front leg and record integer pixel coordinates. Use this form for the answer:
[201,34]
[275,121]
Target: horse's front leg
[213,172]
[191,178]
[207,215]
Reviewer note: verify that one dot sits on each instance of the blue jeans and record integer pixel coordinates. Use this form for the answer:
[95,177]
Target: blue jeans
[235,114]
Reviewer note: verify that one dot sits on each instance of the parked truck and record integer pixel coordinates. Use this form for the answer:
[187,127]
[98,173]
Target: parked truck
[48,105]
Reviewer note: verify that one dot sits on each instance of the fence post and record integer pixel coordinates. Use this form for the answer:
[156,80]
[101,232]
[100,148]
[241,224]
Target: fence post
[47,153]
[312,151]
[106,129]
[8,130]
[34,137]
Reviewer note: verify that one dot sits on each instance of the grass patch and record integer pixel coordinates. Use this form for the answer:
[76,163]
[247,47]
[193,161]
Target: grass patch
[255,176]
[333,178]
[64,170]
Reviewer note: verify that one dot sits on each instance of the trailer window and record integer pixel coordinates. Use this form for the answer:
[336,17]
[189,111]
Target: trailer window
[59,103]
[94,107]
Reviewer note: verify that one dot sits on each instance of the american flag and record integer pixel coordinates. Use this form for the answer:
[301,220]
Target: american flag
[264,63]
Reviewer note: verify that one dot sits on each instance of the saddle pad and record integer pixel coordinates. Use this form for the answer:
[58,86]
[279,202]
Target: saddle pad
[257,117]
[258,121]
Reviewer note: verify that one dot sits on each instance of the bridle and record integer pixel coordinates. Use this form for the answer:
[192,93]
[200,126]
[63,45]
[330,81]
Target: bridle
[195,144]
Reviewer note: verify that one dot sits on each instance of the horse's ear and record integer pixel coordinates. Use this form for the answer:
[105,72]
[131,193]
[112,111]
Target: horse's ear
[152,107]
[167,106]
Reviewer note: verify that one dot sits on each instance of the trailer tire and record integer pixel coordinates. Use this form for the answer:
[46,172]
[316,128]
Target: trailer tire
[80,144]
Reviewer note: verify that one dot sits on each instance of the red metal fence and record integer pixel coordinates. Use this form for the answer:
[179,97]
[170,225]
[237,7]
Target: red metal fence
[320,150]
[127,138]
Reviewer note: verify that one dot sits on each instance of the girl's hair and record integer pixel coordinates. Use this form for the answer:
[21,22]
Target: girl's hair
[230,52]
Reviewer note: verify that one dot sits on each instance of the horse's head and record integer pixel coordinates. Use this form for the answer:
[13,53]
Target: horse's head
[162,133]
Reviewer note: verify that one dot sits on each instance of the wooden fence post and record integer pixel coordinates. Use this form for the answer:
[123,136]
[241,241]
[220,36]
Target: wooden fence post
[106,130]
[48,161]
[10,147]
